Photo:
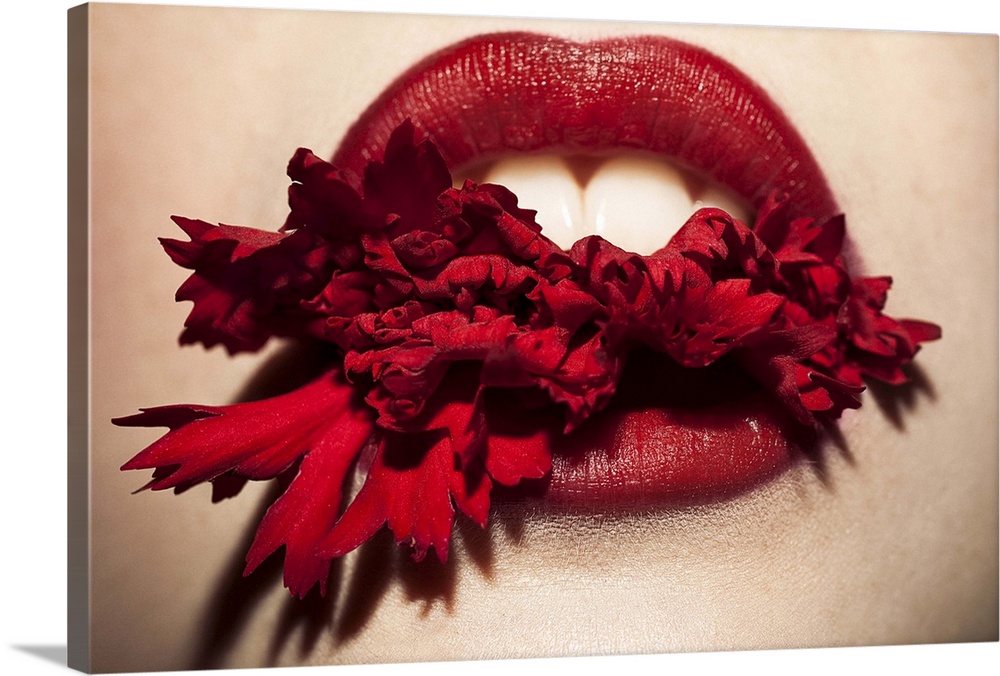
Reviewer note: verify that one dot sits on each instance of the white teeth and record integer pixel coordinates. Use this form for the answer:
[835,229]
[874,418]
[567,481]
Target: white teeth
[544,183]
[711,196]
[637,203]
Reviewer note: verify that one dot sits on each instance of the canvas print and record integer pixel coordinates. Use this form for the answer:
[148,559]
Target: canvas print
[424,338]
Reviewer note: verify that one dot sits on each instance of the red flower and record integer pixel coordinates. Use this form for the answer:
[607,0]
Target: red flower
[320,424]
[436,297]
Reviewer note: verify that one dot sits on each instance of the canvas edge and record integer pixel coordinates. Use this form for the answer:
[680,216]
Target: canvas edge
[78,339]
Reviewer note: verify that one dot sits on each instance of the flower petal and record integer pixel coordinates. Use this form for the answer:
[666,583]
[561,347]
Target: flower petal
[256,440]
[467,337]
[412,495]
[307,510]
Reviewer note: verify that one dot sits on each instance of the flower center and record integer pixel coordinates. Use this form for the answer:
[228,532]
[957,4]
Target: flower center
[637,202]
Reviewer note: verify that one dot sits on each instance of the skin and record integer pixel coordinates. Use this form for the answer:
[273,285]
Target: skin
[891,537]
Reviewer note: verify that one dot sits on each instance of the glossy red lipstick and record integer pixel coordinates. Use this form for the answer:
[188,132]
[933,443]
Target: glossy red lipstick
[524,92]
[666,437]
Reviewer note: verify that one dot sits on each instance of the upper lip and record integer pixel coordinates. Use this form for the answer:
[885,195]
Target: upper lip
[519,92]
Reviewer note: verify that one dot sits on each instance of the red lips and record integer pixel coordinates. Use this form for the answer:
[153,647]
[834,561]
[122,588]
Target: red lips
[522,92]
[668,436]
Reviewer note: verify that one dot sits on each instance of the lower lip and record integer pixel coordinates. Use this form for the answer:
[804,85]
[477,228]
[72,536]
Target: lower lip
[671,435]
[710,435]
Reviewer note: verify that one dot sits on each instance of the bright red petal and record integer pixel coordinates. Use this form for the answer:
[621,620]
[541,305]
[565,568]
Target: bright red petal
[306,512]
[256,440]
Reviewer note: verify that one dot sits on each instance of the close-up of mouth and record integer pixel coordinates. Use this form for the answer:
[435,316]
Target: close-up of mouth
[522,92]
[476,353]
[671,435]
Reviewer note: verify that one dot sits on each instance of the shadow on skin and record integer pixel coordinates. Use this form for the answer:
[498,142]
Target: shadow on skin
[314,614]
[291,367]
[371,578]
[381,562]
[897,400]
[894,401]
[478,545]
[228,610]
[831,438]
[427,582]
[351,601]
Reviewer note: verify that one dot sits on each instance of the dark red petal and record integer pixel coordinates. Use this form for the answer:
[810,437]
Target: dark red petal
[799,240]
[519,441]
[231,242]
[408,180]
[718,318]
[420,249]
[921,332]
[323,199]
[836,395]
[247,284]
[775,359]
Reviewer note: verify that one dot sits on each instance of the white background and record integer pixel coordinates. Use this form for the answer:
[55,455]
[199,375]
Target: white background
[33,269]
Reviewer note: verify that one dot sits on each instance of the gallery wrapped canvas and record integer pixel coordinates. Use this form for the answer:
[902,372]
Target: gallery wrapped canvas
[433,338]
